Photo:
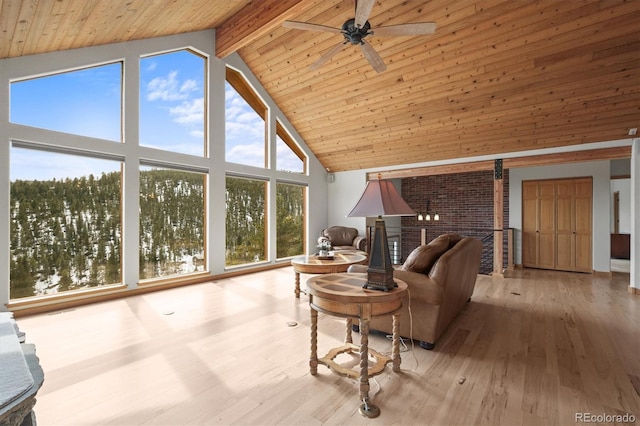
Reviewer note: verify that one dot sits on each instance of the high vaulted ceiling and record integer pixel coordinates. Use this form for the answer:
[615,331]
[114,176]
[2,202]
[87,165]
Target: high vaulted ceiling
[497,76]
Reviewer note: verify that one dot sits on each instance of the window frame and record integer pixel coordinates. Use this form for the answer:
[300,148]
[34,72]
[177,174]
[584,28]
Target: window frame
[240,84]
[285,136]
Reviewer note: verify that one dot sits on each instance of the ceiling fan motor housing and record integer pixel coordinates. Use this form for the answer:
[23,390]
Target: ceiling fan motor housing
[352,33]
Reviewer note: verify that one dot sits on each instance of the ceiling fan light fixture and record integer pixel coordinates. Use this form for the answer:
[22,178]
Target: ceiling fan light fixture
[355,30]
[354,34]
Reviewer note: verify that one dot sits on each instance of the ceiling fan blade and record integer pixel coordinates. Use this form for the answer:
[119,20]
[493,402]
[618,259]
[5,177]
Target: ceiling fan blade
[372,56]
[310,27]
[417,28]
[327,55]
[363,10]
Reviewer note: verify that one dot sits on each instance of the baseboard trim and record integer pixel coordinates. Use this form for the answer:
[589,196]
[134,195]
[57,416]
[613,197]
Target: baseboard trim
[634,291]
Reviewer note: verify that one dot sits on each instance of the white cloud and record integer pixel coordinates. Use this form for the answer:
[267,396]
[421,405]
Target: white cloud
[236,130]
[29,164]
[286,159]
[248,154]
[250,117]
[189,112]
[169,88]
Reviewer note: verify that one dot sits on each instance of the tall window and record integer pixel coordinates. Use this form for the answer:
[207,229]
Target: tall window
[245,131]
[290,202]
[171,222]
[65,223]
[245,221]
[289,156]
[85,102]
[172,102]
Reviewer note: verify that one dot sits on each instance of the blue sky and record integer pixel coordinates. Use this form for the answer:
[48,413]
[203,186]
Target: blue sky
[172,91]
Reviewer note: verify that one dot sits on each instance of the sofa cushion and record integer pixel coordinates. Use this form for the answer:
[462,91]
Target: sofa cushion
[453,239]
[423,257]
[340,235]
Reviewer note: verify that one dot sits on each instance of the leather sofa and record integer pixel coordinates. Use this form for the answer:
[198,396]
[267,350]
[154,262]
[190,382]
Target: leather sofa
[440,277]
[343,238]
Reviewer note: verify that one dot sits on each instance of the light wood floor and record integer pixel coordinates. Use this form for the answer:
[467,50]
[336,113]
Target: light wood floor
[535,348]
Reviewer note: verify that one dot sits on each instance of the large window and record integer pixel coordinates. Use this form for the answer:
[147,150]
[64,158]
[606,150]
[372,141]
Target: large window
[172,102]
[85,102]
[245,130]
[65,223]
[109,189]
[245,221]
[171,222]
[290,202]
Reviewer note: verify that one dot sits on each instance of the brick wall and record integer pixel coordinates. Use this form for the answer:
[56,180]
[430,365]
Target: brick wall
[464,202]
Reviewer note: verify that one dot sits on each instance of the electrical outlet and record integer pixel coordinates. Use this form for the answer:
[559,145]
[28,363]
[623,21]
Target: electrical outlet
[632,132]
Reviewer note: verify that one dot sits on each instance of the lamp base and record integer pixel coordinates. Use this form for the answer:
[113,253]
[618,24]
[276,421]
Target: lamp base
[380,279]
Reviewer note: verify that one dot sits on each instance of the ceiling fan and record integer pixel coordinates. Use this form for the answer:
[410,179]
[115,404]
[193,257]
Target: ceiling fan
[356,29]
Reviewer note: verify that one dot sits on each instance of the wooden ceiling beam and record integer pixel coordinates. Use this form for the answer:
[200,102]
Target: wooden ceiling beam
[255,20]
[508,163]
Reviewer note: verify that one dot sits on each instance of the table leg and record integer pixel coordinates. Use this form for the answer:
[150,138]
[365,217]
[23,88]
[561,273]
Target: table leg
[313,359]
[364,359]
[395,351]
[297,288]
[367,409]
[348,338]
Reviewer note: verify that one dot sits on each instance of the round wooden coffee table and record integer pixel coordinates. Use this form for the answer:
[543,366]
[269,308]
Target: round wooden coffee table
[343,295]
[314,265]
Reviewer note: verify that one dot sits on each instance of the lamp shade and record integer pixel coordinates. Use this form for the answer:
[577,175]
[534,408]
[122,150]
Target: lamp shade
[380,198]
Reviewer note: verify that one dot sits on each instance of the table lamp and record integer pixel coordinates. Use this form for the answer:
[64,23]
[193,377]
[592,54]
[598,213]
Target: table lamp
[380,198]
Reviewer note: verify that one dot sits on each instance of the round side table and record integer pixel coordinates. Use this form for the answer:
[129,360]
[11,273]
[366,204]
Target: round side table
[316,265]
[343,295]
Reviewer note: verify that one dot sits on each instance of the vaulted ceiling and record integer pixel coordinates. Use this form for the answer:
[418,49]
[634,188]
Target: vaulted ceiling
[497,76]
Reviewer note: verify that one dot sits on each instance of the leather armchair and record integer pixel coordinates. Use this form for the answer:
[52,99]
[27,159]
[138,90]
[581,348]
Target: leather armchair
[343,238]
[441,277]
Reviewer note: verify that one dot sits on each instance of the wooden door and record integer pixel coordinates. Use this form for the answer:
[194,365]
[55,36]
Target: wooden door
[557,223]
[546,225]
[565,234]
[583,224]
[530,224]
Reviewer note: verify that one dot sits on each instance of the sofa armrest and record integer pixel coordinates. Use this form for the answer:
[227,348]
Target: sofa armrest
[362,269]
[421,287]
[360,243]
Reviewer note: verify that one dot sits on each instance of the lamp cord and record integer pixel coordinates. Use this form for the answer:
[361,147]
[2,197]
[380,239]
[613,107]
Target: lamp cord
[404,345]
[413,346]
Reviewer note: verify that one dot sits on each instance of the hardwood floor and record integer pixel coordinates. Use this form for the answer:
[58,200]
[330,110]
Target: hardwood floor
[534,348]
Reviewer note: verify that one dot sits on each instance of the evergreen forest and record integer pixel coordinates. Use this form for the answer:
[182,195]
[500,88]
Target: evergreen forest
[67,234]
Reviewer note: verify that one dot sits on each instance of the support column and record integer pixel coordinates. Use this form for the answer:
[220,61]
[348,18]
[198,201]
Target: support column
[498,220]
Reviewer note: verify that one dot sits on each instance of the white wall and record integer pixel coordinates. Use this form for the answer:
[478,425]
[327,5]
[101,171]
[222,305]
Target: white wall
[344,193]
[635,214]
[599,171]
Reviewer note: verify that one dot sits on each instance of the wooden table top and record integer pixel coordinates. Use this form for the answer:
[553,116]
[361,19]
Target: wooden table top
[317,265]
[348,288]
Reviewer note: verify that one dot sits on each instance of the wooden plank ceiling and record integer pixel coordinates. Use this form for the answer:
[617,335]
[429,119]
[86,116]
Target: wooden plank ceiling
[497,76]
